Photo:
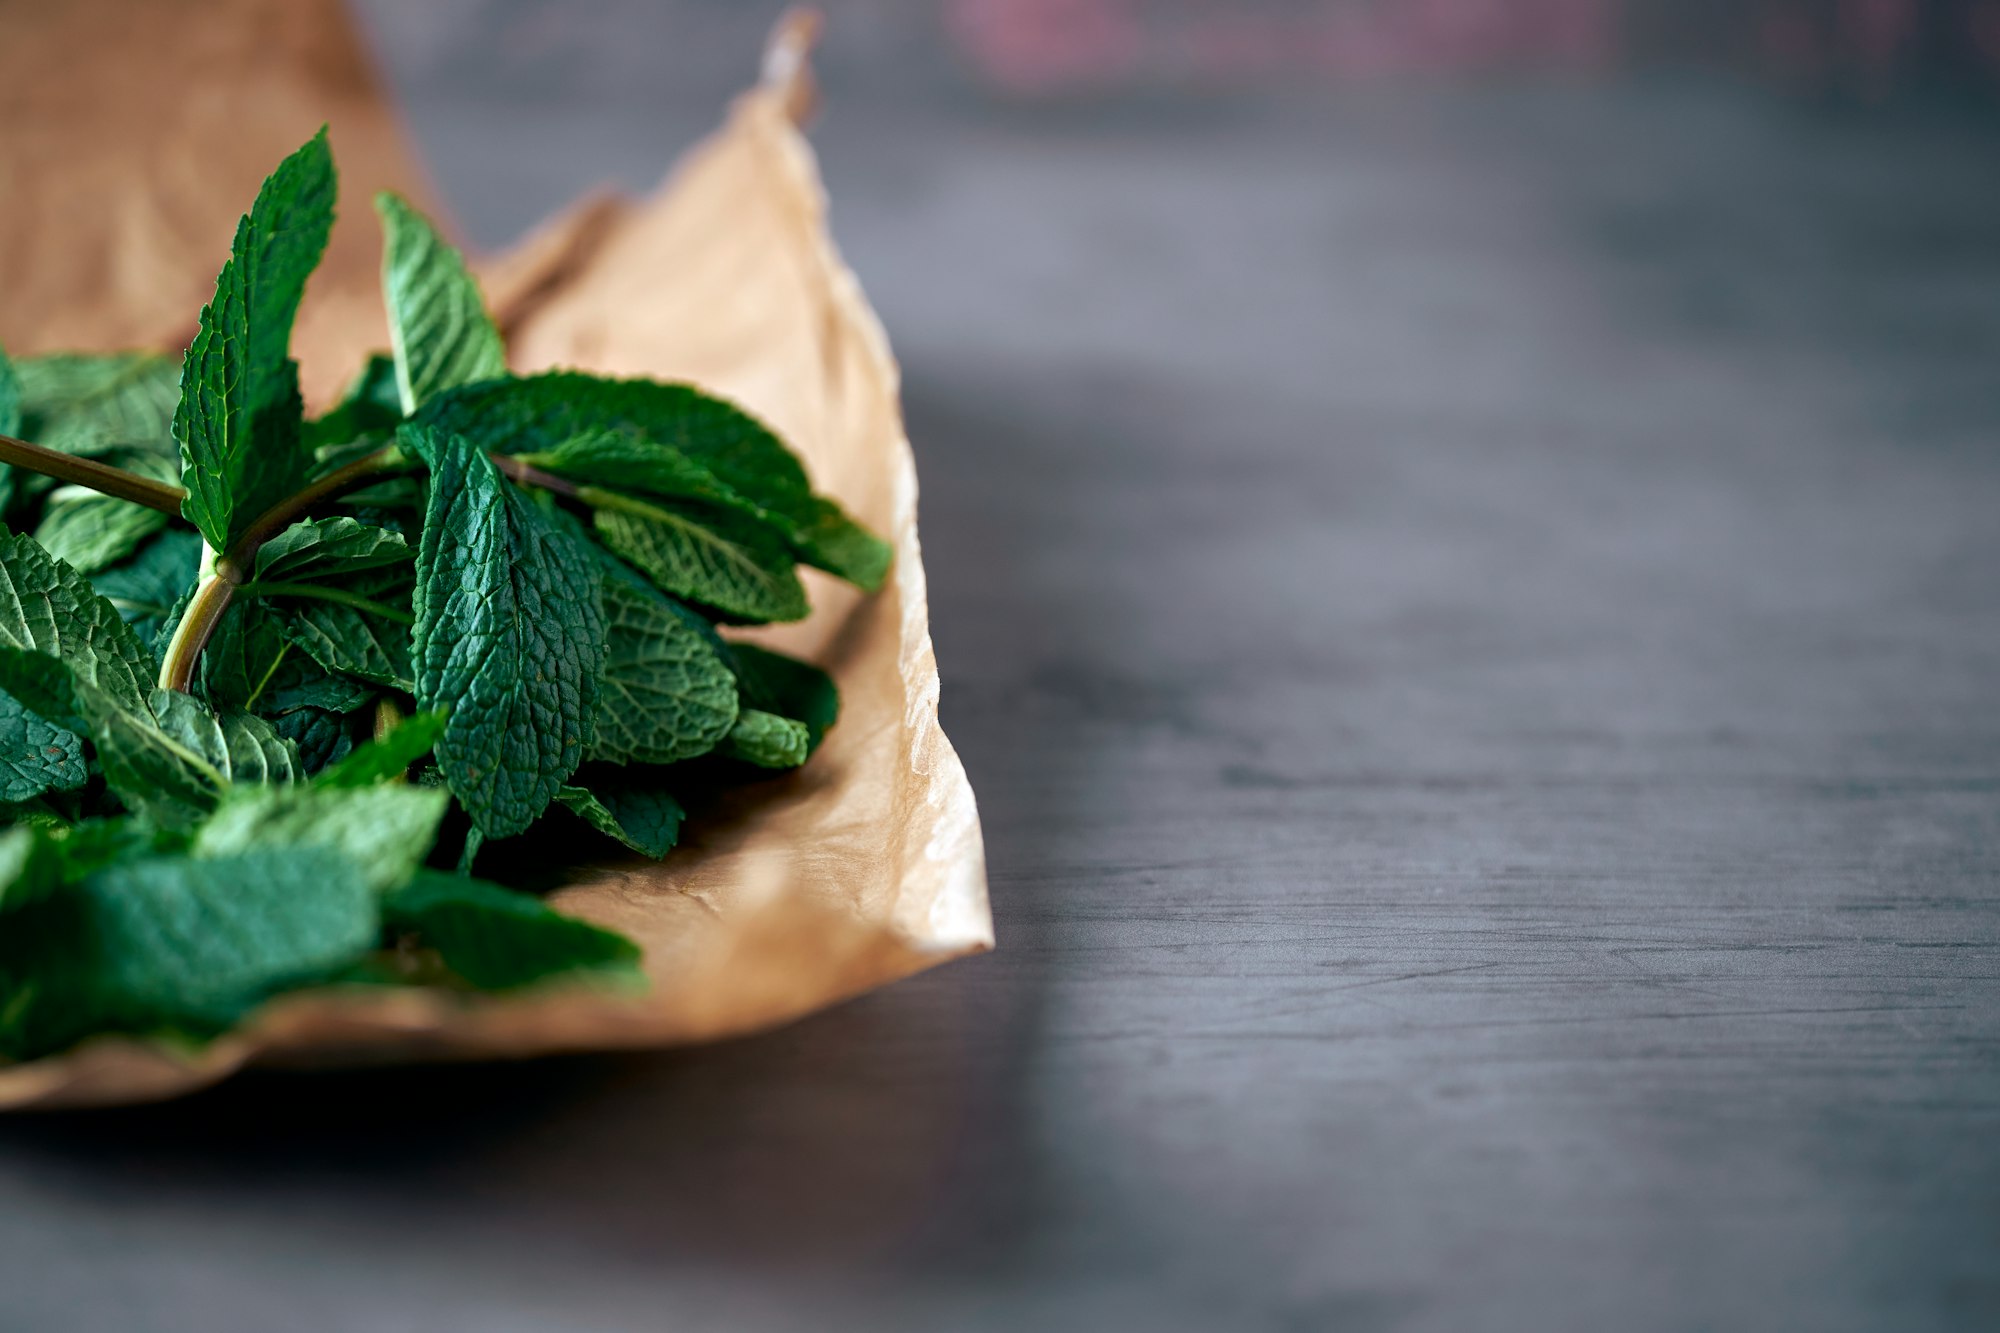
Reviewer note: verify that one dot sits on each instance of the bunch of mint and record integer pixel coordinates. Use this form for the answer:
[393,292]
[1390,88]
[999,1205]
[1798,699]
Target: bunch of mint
[272,689]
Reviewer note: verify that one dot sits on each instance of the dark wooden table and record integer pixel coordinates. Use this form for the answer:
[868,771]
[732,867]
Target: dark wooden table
[1473,614]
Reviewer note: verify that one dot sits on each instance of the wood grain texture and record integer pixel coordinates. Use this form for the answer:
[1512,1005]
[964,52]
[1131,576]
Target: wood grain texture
[1472,618]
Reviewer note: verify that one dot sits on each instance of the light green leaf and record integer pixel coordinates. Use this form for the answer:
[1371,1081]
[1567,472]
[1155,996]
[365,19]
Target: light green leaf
[386,829]
[178,945]
[774,683]
[632,808]
[239,417]
[721,560]
[92,532]
[31,867]
[389,756]
[667,693]
[509,636]
[175,762]
[86,405]
[767,740]
[498,939]
[437,322]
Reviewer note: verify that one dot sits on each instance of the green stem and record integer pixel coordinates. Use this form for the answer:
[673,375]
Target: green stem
[529,475]
[324,593]
[161,495]
[212,597]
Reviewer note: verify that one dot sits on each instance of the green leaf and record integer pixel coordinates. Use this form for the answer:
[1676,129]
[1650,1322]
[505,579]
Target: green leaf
[31,867]
[239,417]
[509,635]
[498,939]
[736,566]
[47,607]
[178,945]
[86,405]
[667,693]
[767,740]
[630,807]
[36,755]
[386,829]
[322,737]
[250,663]
[175,762]
[437,322]
[372,645]
[774,683]
[92,532]
[623,460]
[324,548]
[537,414]
[366,417]
[389,756]
[10,398]
[146,589]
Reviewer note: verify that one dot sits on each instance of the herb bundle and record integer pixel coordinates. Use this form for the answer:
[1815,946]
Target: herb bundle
[272,689]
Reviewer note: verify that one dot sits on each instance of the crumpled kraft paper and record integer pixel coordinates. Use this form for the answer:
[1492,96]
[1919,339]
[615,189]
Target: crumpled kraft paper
[122,170]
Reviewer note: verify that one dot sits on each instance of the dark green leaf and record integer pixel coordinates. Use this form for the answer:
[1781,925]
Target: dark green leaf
[31,867]
[767,740]
[537,414]
[239,417]
[36,755]
[774,683]
[498,939]
[386,829]
[437,323]
[388,756]
[667,694]
[178,945]
[322,548]
[367,416]
[321,736]
[630,806]
[47,607]
[509,636]
[146,588]
[369,639]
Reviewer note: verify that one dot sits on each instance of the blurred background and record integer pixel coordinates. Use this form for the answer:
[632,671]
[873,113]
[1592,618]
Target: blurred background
[1463,552]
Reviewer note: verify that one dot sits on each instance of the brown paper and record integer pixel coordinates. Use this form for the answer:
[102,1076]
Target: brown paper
[863,867]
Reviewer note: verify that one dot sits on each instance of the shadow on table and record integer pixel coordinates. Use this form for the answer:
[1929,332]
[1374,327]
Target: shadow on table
[897,1126]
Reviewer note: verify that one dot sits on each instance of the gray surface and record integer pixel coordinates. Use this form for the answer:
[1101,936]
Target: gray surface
[1472,618]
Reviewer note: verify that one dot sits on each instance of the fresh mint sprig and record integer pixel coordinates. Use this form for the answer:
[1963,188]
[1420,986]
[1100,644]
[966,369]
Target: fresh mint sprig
[271,688]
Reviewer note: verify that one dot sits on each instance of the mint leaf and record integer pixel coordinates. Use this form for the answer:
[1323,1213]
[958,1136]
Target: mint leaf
[173,762]
[85,405]
[31,867]
[322,548]
[10,398]
[437,322]
[389,756]
[774,683]
[622,460]
[366,417]
[536,414]
[385,830]
[146,589]
[509,635]
[497,939]
[36,755]
[632,808]
[767,740]
[178,945]
[92,532]
[321,737]
[667,693]
[251,664]
[370,639]
[47,607]
[239,417]
[735,566]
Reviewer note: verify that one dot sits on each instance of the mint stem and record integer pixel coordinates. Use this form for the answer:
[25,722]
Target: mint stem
[163,496]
